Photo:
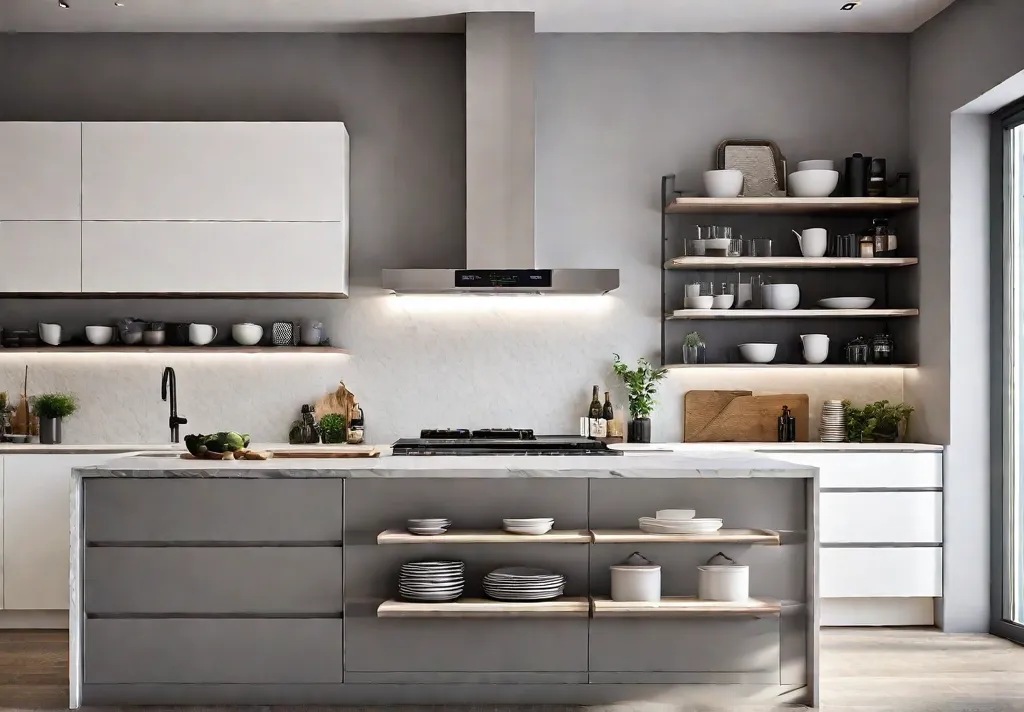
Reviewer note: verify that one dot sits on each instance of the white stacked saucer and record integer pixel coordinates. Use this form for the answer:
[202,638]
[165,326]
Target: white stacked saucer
[432,580]
[428,527]
[833,422]
[535,526]
[520,583]
[660,525]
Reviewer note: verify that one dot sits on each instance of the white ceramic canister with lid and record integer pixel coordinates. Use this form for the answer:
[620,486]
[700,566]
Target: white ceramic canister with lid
[636,579]
[725,581]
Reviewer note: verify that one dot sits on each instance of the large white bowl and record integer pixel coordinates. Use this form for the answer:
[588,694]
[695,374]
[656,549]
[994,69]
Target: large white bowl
[758,353]
[723,184]
[99,335]
[705,302]
[816,165]
[723,301]
[783,296]
[812,184]
[247,334]
[847,302]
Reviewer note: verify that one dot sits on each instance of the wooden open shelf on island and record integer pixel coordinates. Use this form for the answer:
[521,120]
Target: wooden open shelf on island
[685,607]
[722,536]
[565,607]
[401,536]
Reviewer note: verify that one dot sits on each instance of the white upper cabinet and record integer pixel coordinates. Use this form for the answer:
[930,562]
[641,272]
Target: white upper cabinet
[213,171]
[41,257]
[40,170]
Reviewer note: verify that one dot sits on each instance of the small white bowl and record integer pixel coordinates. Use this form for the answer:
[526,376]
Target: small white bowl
[246,334]
[723,301]
[847,302]
[675,514]
[812,184]
[698,302]
[816,165]
[783,296]
[723,184]
[758,353]
[99,335]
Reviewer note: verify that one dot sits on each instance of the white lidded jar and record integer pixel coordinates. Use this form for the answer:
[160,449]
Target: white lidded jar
[636,579]
[722,579]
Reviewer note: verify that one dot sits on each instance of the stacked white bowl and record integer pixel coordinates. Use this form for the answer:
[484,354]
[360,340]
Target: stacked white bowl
[428,527]
[813,179]
[678,521]
[531,526]
[833,422]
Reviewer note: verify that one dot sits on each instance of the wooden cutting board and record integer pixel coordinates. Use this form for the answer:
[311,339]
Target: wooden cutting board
[350,451]
[741,418]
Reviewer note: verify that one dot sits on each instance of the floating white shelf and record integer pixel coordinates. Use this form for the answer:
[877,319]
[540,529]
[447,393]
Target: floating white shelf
[789,205]
[711,263]
[400,536]
[685,607]
[722,536]
[792,314]
[565,607]
[176,350]
[833,366]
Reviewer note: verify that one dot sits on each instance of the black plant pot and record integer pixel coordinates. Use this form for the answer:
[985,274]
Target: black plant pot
[49,431]
[640,430]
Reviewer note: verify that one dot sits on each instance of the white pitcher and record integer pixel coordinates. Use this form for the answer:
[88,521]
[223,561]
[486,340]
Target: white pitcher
[815,347]
[813,241]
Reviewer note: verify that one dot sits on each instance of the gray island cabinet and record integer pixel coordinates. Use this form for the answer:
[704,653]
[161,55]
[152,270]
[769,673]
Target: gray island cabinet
[276,582]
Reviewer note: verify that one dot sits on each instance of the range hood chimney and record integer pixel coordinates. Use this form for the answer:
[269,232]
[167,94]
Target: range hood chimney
[500,175]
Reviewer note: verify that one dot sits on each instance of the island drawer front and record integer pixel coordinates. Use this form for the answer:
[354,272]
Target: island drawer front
[881,572]
[189,651]
[881,517]
[479,645]
[692,646]
[870,470]
[232,580]
[196,510]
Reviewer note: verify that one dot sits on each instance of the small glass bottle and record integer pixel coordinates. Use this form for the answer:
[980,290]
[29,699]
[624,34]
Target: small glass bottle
[867,246]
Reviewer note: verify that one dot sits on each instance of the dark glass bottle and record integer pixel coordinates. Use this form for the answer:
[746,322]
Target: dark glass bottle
[787,426]
[595,406]
[608,413]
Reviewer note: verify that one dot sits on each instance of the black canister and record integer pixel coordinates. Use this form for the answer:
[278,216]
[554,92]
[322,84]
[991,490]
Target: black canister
[876,178]
[855,180]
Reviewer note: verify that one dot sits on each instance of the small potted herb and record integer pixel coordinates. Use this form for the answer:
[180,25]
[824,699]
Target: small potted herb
[332,428]
[642,385]
[693,348]
[877,422]
[51,409]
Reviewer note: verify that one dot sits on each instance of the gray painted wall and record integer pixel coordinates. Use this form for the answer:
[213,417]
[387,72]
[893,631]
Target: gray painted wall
[958,56]
[614,112]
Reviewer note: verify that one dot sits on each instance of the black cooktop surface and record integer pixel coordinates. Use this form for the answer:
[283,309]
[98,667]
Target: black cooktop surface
[498,441]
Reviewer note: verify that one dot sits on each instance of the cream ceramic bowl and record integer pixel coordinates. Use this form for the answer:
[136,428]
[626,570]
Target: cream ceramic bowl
[99,335]
[758,353]
[723,184]
[812,184]
[246,334]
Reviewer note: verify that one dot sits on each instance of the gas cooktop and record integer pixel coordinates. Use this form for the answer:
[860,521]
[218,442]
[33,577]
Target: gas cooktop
[498,441]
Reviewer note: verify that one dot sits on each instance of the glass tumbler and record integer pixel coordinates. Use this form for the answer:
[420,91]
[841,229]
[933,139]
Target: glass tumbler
[760,247]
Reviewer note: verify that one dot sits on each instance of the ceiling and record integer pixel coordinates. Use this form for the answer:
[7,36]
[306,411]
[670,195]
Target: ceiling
[442,15]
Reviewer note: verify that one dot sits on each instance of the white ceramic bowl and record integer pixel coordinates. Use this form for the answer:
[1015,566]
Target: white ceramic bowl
[846,302]
[783,296]
[723,184]
[723,301]
[816,165]
[699,302]
[99,335]
[812,184]
[247,334]
[758,353]
[675,514]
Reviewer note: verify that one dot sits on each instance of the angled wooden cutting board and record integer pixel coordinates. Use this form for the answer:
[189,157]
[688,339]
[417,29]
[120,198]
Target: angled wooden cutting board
[739,416]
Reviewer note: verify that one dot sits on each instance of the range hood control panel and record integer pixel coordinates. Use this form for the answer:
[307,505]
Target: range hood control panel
[509,278]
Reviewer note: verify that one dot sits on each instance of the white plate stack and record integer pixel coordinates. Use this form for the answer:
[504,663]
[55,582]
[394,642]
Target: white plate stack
[660,525]
[532,527]
[833,422]
[432,580]
[428,527]
[521,583]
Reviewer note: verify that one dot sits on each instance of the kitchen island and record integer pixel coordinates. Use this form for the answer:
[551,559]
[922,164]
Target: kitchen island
[275,582]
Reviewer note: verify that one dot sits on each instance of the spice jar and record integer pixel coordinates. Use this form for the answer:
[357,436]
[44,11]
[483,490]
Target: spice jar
[857,352]
[867,246]
[882,348]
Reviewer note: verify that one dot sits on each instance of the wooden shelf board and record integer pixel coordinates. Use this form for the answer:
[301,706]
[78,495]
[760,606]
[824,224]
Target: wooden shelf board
[176,350]
[684,607]
[722,536]
[710,263]
[565,607]
[789,205]
[834,366]
[401,536]
[792,314]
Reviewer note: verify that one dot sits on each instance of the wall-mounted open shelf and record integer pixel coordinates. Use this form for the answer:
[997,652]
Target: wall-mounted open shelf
[176,350]
[788,205]
[565,607]
[722,536]
[791,314]
[685,607]
[740,263]
[833,366]
[400,536]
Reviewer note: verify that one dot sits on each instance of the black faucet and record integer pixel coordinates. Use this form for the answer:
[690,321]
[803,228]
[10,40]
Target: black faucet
[174,420]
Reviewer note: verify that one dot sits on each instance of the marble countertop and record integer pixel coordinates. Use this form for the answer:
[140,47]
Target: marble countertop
[815,447]
[662,465]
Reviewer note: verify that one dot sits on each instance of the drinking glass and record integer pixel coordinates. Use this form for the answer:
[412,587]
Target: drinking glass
[760,247]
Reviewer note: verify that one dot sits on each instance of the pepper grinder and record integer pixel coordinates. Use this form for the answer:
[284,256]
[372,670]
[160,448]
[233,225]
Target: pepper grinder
[787,426]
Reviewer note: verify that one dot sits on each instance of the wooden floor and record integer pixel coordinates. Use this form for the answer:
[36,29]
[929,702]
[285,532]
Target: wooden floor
[862,670]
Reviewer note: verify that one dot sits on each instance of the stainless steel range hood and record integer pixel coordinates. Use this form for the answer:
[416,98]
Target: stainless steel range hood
[500,175]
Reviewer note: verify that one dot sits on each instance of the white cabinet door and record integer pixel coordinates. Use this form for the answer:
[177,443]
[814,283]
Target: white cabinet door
[215,257]
[881,572]
[881,517]
[41,257]
[870,470]
[36,523]
[215,171]
[40,170]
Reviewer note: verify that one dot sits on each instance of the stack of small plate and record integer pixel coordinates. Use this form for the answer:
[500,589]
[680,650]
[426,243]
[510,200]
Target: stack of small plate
[520,583]
[432,580]
[679,526]
[535,526]
[428,527]
[833,422]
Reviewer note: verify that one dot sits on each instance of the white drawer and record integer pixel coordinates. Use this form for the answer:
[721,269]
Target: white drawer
[881,572]
[871,470]
[881,517]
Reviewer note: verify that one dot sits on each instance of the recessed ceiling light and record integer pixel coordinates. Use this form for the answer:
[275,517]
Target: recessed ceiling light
[850,6]
[118,4]
[63,4]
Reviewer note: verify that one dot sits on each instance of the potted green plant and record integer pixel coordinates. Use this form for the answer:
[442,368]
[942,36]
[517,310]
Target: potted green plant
[693,348]
[642,386]
[332,428]
[51,409]
[878,422]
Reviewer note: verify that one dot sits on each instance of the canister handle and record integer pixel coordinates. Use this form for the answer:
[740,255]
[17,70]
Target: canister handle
[724,556]
[628,560]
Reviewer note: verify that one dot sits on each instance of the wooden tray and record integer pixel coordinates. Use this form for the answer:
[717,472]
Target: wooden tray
[735,416]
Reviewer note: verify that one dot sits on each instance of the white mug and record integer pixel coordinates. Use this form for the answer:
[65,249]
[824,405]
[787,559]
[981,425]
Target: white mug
[201,334]
[813,241]
[50,334]
[815,347]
